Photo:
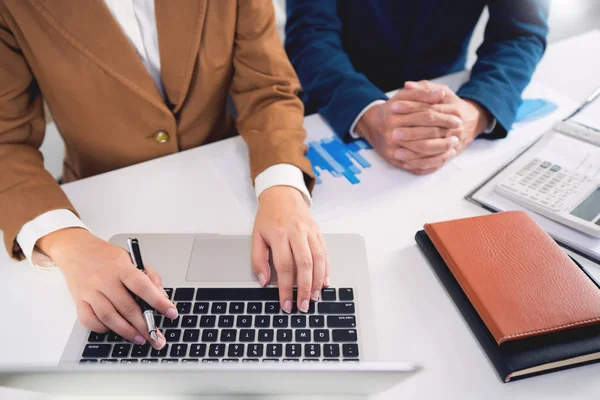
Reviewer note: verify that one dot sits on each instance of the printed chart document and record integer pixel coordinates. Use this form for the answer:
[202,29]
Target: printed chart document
[349,176]
[563,150]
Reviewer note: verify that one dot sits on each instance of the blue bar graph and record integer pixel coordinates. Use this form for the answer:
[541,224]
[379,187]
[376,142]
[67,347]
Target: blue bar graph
[338,158]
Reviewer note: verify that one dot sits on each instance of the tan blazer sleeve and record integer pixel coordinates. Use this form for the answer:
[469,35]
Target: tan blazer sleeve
[27,190]
[264,91]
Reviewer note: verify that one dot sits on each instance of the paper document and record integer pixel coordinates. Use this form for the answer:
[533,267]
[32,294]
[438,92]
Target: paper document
[589,116]
[567,152]
[349,176]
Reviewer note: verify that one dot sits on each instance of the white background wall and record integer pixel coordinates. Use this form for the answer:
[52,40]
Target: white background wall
[567,18]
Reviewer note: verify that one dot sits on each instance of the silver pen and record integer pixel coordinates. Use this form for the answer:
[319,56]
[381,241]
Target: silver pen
[587,101]
[148,312]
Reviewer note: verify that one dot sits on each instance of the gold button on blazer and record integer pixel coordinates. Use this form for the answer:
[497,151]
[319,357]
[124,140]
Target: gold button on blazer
[74,55]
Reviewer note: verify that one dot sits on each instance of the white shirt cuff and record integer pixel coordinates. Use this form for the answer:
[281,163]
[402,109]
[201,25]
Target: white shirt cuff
[353,134]
[41,226]
[282,175]
[490,127]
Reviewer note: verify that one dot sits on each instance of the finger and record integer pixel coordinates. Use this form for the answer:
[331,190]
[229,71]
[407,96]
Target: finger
[425,118]
[430,147]
[88,318]
[326,280]
[420,94]
[431,162]
[155,279]
[260,259]
[126,305]
[450,108]
[408,107]
[407,134]
[108,315]
[304,269]
[140,284]
[425,171]
[284,265]
[318,272]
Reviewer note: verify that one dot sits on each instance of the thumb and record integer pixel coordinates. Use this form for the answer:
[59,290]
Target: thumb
[260,259]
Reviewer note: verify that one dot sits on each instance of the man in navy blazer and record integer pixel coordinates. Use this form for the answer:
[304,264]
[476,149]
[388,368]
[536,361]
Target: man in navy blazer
[348,53]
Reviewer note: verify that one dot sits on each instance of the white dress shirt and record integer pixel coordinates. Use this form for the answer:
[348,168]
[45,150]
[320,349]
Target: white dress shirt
[138,22]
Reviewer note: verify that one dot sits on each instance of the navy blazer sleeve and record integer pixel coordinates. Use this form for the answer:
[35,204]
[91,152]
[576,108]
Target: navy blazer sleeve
[515,39]
[331,85]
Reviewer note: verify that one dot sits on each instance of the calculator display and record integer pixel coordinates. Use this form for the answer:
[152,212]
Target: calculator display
[589,208]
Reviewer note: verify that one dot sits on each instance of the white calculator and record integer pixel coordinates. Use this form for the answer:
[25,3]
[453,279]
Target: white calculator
[564,196]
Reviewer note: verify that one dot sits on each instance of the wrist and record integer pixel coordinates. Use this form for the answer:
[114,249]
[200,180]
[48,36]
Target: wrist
[281,190]
[370,122]
[484,118]
[55,244]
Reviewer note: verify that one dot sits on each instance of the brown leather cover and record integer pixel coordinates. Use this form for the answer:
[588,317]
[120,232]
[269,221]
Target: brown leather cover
[518,279]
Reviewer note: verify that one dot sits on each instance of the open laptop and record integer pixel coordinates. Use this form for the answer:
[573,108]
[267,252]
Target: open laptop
[231,336]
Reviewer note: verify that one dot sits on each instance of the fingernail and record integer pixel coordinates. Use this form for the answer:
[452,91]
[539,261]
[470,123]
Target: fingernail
[316,294]
[416,85]
[287,306]
[452,152]
[304,306]
[172,313]
[435,93]
[161,343]
[261,279]
[400,154]
[454,141]
[397,134]
[327,281]
[457,122]
[139,339]
[396,106]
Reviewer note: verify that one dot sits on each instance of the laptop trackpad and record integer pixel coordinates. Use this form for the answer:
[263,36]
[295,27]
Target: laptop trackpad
[223,259]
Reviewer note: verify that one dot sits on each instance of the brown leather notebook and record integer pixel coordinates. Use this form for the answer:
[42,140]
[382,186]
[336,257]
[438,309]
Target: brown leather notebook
[517,278]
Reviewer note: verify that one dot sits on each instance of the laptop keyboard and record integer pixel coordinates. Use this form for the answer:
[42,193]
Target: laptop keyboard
[233,325]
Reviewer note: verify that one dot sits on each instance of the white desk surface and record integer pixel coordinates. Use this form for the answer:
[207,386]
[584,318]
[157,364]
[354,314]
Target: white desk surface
[415,318]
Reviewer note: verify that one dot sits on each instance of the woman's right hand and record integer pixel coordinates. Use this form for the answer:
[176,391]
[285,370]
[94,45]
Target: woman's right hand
[98,275]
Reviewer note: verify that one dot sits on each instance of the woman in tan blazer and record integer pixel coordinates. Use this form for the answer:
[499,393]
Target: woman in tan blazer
[132,80]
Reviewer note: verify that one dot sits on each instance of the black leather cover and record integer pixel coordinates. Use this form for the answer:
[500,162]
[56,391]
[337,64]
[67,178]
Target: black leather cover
[519,354]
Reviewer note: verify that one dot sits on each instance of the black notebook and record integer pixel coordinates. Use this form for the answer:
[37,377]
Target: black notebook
[523,358]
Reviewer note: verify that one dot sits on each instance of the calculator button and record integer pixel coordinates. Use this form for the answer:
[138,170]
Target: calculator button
[555,168]
[545,164]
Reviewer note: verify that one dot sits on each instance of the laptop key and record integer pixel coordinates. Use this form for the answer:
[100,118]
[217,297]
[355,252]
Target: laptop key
[299,321]
[291,360]
[238,294]
[280,321]
[189,321]
[88,361]
[209,335]
[311,360]
[121,350]
[198,350]
[250,360]
[328,294]
[346,294]
[190,361]
[316,321]
[96,337]
[328,360]
[169,361]
[171,323]
[236,307]
[321,335]
[265,335]
[210,360]
[272,308]
[154,353]
[303,335]
[208,321]
[284,335]
[157,319]
[184,294]
[149,361]
[178,350]
[255,350]
[129,361]
[169,292]
[225,321]
[274,350]
[113,337]
[230,361]
[218,308]
[184,307]
[235,350]
[355,360]
[228,335]
[350,350]
[191,335]
[254,308]
[344,335]
[312,350]
[336,308]
[270,360]
[109,361]
[96,350]
[247,335]
[140,350]
[341,321]
[172,335]
[200,307]
[293,350]
[243,321]
[331,350]
[216,350]
[262,321]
